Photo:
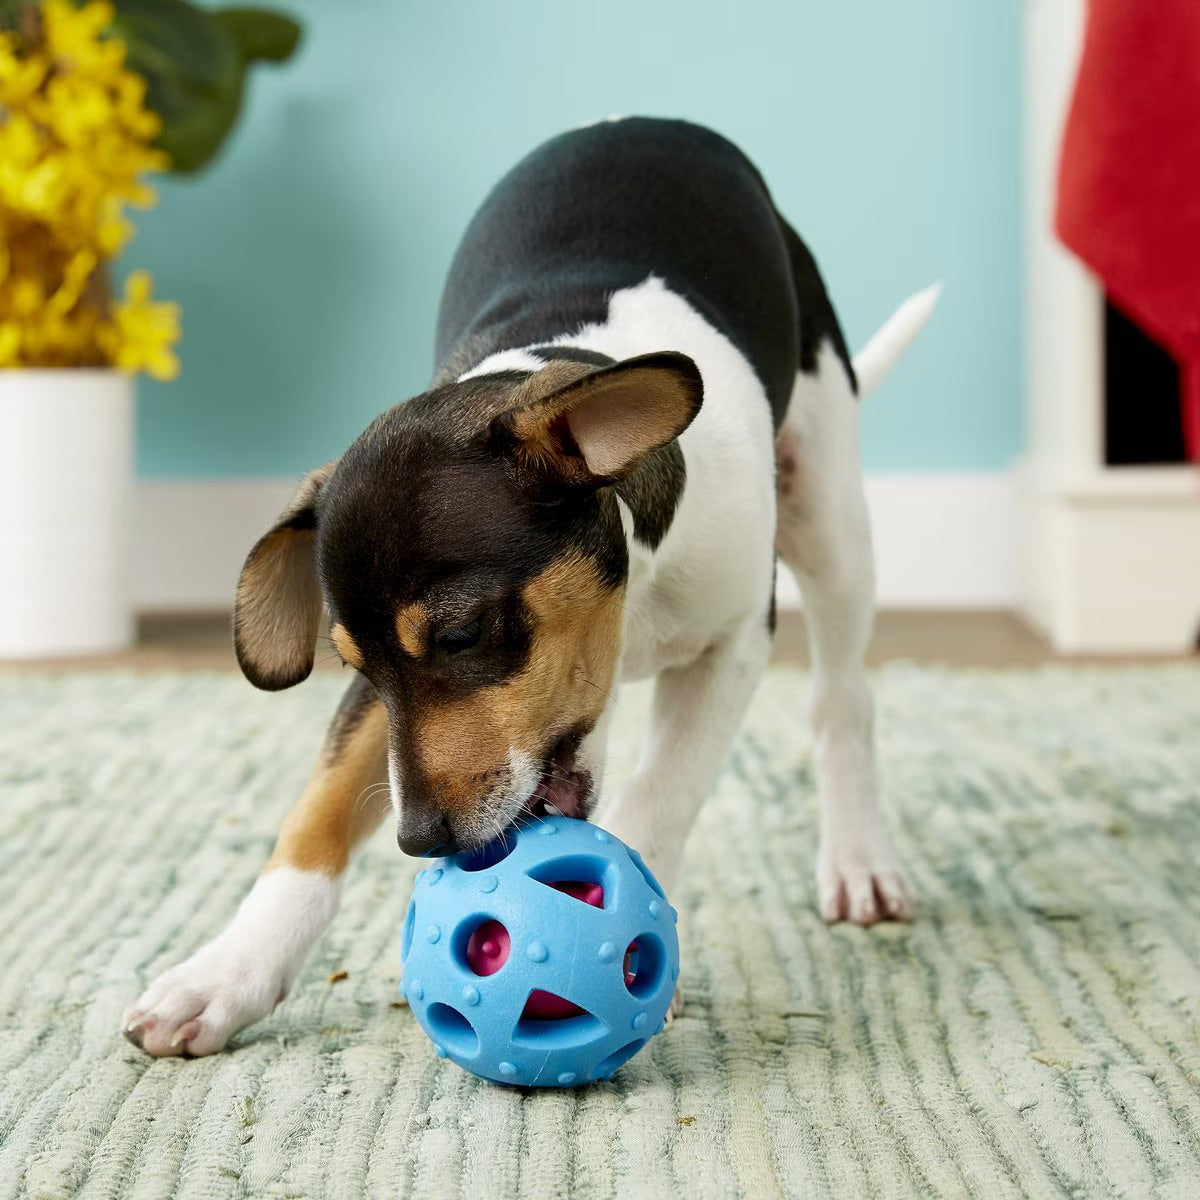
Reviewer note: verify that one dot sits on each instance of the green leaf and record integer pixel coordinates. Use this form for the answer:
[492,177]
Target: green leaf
[194,62]
[262,34]
[22,17]
[10,14]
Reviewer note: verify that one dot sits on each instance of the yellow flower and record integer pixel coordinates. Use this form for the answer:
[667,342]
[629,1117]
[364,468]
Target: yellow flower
[75,147]
[10,343]
[75,36]
[77,109]
[143,331]
[20,76]
[75,278]
[28,296]
[112,230]
[131,105]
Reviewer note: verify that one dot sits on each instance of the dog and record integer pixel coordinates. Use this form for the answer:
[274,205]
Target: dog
[643,399]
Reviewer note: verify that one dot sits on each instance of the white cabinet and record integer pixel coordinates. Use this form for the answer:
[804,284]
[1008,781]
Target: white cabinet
[1110,555]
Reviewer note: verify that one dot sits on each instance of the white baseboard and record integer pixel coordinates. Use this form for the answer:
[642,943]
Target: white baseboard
[942,539]
[191,537]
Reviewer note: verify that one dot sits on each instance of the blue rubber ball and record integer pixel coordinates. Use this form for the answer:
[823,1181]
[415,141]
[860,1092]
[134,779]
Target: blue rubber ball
[546,959]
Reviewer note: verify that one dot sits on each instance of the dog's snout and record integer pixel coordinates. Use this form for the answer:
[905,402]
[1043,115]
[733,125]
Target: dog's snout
[428,838]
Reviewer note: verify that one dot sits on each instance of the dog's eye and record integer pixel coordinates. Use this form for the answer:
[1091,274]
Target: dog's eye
[454,641]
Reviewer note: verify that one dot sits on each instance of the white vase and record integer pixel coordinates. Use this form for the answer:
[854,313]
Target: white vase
[66,450]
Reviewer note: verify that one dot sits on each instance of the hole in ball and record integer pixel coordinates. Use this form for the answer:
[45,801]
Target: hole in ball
[546,1006]
[645,965]
[616,1059]
[557,1033]
[589,893]
[449,1028]
[580,876]
[410,919]
[481,945]
[486,856]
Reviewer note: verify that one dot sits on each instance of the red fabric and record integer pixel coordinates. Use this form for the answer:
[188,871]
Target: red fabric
[1129,176]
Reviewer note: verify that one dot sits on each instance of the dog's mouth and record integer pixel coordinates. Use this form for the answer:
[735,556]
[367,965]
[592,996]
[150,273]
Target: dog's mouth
[564,789]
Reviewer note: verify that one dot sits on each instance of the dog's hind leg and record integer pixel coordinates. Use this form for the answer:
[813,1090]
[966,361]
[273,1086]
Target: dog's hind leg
[243,973]
[823,534]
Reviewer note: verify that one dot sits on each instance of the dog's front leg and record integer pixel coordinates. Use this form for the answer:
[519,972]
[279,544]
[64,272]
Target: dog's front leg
[696,712]
[243,973]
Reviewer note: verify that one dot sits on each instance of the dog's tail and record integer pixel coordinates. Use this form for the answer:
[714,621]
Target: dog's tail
[892,338]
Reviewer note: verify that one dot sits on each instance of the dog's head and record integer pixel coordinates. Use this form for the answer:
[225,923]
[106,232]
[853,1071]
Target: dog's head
[470,554]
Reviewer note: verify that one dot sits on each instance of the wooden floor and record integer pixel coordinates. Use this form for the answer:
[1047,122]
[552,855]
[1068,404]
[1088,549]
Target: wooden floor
[992,639]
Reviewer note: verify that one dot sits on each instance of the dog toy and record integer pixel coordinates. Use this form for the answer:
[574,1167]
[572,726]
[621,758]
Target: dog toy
[546,958]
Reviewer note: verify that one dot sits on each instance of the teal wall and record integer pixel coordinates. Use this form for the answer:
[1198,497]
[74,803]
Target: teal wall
[309,258]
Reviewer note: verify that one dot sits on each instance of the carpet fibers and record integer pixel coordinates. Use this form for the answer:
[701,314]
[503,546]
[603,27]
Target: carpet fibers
[1036,1032]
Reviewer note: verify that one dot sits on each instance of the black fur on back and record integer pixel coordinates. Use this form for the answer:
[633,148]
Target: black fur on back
[602,208]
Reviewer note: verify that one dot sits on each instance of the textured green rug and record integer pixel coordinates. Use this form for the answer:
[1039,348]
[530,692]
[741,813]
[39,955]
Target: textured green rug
[1034,1033]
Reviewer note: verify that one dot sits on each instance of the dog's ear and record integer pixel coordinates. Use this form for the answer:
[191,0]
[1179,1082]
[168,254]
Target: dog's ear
[597,428]
[278,606]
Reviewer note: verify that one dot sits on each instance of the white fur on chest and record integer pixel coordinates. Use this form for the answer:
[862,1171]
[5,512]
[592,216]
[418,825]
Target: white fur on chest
[715,565]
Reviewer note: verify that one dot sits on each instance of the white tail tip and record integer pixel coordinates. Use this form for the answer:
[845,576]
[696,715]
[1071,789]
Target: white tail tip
[881,353]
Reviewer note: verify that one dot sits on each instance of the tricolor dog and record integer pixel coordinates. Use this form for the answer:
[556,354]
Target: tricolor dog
[642,400]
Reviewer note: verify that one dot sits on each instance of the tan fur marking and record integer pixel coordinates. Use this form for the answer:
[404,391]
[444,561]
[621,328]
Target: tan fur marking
[530,417]
[412,628]
[278,606]
[331,816]
[566,683]
[346,646]
[539,408]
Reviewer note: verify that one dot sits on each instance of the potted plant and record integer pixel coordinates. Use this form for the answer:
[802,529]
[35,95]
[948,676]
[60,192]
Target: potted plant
[94,98]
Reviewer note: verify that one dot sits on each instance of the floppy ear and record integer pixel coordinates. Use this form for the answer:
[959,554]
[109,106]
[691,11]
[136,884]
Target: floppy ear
[598,428]
[278,606]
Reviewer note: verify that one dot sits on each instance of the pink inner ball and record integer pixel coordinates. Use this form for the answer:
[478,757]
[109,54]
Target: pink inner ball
[487,948]
[489,945]
[589,893]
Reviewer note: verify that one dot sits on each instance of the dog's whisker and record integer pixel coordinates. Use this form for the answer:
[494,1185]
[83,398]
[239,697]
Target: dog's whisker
[602,691]
[371,793]
[549,771]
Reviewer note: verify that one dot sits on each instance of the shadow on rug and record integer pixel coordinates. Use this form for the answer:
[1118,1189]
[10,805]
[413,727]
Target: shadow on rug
[1034,1033]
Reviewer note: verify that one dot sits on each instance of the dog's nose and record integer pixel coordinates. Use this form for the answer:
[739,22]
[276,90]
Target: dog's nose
[429,839]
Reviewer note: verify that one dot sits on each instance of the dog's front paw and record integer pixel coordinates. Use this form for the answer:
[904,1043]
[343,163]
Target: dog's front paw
[196,1007]
[863,883]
